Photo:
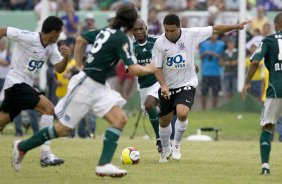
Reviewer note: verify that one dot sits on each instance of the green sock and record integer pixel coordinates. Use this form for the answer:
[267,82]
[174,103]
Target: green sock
[109,145]
[38,139]
[154,119]
[265,146]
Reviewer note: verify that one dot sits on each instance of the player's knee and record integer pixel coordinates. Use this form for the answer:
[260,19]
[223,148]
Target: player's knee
[62,130]
[268,127]
[49,110]
[120,122]
[182,116]
[148,107]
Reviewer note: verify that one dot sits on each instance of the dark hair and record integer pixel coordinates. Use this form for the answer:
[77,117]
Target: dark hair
[172,19]
[278,19]
[52,23]
[126,16]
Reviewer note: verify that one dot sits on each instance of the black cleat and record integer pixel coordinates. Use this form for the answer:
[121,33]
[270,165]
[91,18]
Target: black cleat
[265,171]
[51,160]
[159,146]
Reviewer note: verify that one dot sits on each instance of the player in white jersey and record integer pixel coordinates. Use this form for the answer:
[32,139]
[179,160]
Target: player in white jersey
[31,50]
[173,53]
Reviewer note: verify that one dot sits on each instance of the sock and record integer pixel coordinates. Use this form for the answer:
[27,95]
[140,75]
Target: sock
[154,119]
[109,145]
[174,118]
[46,121]
[164,135]
[38,139]
[265,146]
[180,127]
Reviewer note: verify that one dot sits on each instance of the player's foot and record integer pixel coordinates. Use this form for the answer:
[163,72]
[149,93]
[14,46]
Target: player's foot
[110,170]
[51,160]
[176,155]
[265,171]
[159,146]
[165,155]
[17,156]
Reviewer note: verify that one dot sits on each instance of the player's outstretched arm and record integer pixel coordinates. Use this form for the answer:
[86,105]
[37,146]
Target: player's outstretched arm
[140,70]
[79,50]
[252,69]
[218,29]
[3,32]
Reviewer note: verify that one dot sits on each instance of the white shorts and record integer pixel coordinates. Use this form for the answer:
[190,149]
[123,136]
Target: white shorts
[152,91]
[83,95]
[272,109]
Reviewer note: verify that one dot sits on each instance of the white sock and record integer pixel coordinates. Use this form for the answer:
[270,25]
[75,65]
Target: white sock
[46,121]
[165,137]
[180,127]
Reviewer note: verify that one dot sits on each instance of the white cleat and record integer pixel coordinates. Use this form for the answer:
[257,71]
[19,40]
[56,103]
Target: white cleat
[176,155]
[17,156]
[51,160]
[110,170]
[165,156]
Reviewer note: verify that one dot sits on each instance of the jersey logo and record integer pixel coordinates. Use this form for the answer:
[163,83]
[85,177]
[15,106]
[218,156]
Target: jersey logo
[181,46]
[144,50]
[176,61]
[34,65]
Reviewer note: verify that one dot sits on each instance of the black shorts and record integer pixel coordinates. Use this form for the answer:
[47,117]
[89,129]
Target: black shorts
[183,95]
[210,82]
[19,97]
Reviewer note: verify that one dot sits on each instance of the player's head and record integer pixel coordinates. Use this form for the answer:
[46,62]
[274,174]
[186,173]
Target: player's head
[126,16]
[278,22]
[172,27]
[140,31]
[52,26]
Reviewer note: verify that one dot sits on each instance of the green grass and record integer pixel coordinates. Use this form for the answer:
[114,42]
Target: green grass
[233,159]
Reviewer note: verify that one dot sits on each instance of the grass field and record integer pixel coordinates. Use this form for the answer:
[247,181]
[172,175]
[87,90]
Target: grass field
[233,159]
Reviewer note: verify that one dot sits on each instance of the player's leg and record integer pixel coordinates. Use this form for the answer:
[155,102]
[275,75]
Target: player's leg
[216,87]
[46,107]
[204,91]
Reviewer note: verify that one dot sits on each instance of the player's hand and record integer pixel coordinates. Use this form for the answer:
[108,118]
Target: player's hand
[197,68]
[245,90]
[242,24]
[165,92]
[65,50]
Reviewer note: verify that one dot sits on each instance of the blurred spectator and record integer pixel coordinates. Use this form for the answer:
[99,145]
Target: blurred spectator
[184,22]
[192,5]
[88,5]
[278,4]
[51,84]
[255,40]
[259,20]
[232,5]
[267,30]
[159,5]
[71,20]
[211,51]
[201,4]
[33,122]
[105,4]
[89,23]
[4,61]
[268,5]
[154,25]
[229,61]
[21,4]
[180,5]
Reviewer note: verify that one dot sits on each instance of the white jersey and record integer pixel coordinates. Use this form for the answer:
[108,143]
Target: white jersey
[177,59]
[29,56]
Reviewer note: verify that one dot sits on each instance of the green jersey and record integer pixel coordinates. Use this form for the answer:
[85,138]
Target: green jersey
[270,49]
[143,53]
[109,45]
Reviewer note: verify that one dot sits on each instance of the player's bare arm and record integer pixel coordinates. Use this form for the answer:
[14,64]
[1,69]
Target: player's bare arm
[164,87]
[253,68]
[140,70]
[3,32]
[65,52]
[79,49]
[217,29]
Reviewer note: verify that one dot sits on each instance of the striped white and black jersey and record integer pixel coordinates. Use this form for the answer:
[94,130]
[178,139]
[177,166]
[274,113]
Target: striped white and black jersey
[177,59]
[29,56]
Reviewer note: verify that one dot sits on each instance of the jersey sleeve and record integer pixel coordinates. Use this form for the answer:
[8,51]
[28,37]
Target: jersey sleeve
[260,52]
[55,55]
[125,51]
[157,54]
[201,33]
[19,35]
[90,36]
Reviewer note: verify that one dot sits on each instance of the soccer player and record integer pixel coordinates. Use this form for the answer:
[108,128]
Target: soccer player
[87,90]
[31,50]
[270,49]
[173,53]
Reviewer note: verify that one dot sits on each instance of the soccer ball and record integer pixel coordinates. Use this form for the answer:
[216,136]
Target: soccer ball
[130,156]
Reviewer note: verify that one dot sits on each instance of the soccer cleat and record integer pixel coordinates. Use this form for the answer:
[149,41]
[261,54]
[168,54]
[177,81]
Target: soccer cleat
[51,160]
[265,171]
[110,170]
[159,146]
[17,156]
[165,156]
[176,155]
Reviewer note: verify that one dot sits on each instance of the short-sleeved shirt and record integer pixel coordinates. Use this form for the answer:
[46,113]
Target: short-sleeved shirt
[177,59]
[230,56]
[270,49]
[109,46]
[29,56]
[143,53]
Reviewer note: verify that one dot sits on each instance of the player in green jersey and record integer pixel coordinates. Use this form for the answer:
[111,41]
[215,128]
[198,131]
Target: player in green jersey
[270,49]
[87,90]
